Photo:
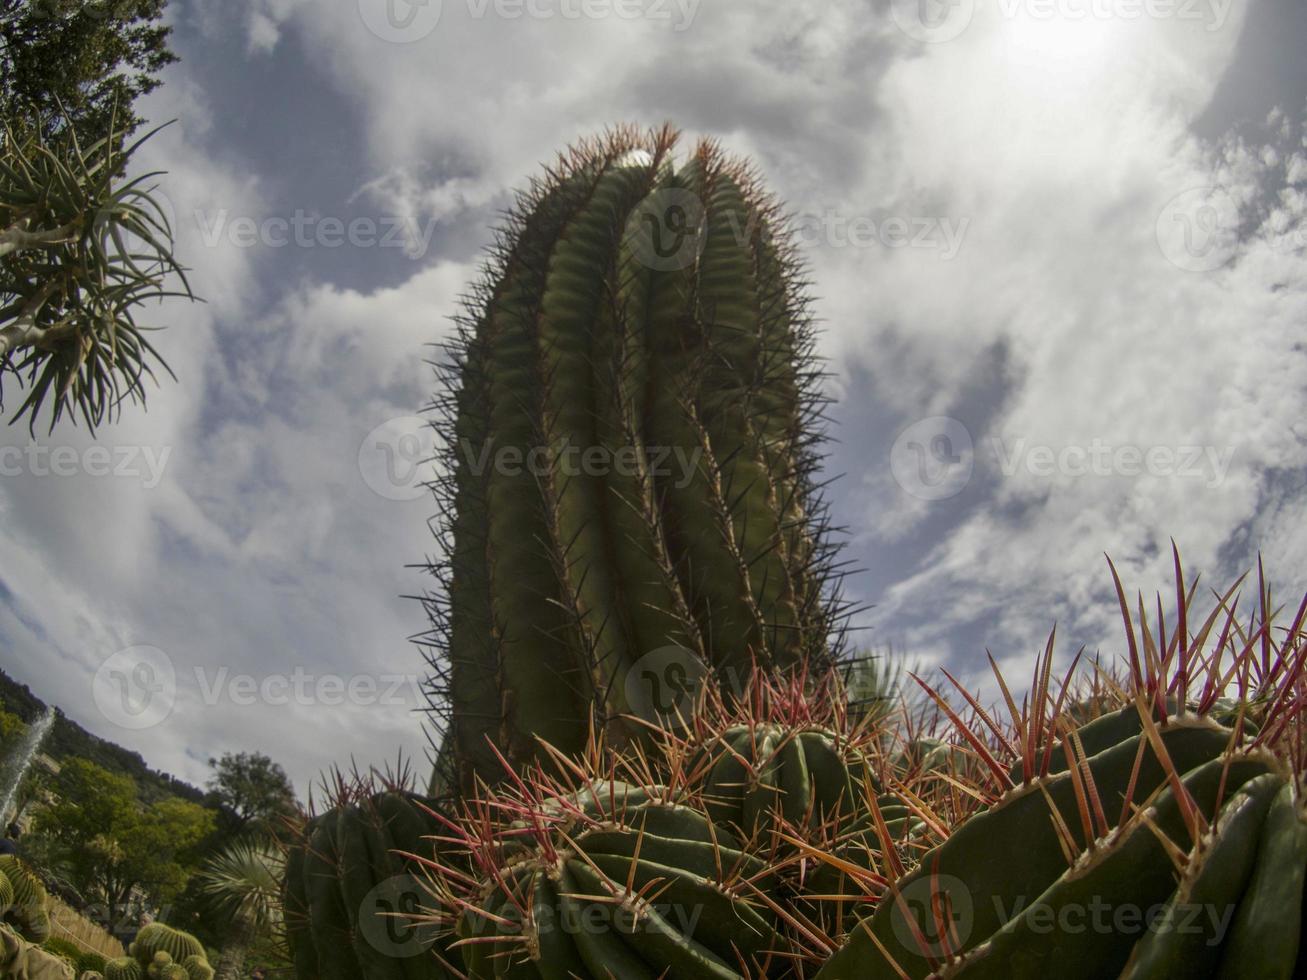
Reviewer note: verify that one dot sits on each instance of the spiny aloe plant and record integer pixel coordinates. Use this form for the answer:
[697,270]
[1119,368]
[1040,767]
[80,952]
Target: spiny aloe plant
[1170,793]
[631,433]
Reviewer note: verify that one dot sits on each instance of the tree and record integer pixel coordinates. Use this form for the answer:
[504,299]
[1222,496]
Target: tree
[243,884]
[81,247]
[253,789]
[112,846]
[80,252]
[80,62]
[11,727]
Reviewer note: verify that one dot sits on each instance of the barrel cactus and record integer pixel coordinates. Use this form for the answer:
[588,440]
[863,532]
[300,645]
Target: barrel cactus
[611,879]
[782,756]
[29,908]
[160,952]
[1164,836]
[630,442]
[124,968]
[163,967]
[197,968]
[349,886]
[159,945]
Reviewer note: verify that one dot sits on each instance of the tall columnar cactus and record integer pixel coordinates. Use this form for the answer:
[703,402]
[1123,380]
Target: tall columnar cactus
[630,443]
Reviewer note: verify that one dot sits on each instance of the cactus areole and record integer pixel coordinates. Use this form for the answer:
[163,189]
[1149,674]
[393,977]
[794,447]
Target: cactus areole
[630,423]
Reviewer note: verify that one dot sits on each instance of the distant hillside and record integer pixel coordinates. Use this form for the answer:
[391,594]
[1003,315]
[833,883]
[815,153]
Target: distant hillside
[70,740]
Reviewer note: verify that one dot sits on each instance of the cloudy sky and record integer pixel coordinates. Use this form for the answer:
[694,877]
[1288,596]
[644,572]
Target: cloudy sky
[1058,252]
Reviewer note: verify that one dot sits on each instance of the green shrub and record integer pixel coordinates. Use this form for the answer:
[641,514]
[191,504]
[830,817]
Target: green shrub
[91,962]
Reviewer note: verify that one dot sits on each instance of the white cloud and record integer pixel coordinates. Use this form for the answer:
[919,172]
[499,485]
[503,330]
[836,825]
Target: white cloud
[264,549]
[1110,342]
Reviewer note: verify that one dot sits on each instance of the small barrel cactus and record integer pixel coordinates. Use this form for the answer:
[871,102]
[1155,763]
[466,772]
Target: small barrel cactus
[29,909]
[630,448]
[157,938]
[124,968]
[610,880]
[162,967]
[782,754]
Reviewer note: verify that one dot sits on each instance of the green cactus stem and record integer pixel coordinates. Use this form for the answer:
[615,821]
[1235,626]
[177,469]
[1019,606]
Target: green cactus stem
[631,437]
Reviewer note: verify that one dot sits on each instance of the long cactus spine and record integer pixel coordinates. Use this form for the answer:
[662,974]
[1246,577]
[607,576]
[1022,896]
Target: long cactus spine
[631,442]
